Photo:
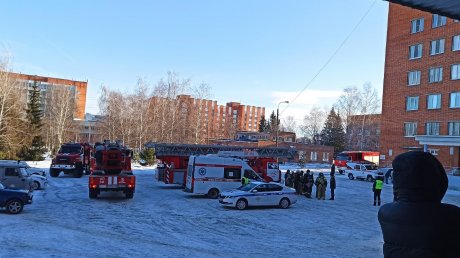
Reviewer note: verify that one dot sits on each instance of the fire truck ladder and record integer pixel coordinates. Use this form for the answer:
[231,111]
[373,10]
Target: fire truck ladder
[166,149]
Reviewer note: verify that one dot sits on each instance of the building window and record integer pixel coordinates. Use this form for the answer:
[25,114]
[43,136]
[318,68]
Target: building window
[439,20]
[415,51]
[417,25]
[432,128]
[410,129]
[437,47]
[455,100]
[314,155]
[454,128]
[435,74]
[434,101]
[433,152]
[412,103]
[325,156]
[456,43]
[414,77]
[455,72]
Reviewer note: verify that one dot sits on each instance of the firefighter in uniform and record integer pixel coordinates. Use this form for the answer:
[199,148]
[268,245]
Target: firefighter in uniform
[310,182]
[377,189]
[321,184]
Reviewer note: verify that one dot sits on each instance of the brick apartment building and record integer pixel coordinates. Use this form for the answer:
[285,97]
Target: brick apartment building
[421,93]
[46,83]
[221,121]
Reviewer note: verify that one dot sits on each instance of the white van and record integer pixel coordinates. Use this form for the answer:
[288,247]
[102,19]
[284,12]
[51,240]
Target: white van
[211,175]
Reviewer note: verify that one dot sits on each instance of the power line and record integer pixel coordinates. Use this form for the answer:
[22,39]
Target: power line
[332,56]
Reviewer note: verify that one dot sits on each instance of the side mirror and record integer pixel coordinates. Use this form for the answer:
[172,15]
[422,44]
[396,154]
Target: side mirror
[254,191]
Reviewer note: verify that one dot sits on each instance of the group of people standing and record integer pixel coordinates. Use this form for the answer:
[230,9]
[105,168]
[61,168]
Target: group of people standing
[303,183]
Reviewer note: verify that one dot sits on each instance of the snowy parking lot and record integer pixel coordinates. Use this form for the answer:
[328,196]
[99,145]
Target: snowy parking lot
[162,220]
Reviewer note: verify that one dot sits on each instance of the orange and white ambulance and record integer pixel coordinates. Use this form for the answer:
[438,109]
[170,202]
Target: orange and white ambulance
[211,175]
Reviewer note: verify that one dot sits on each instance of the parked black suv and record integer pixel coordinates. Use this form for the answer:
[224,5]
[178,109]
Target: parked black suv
[14,200]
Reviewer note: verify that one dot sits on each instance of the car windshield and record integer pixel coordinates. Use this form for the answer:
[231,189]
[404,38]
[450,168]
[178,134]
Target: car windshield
[68,149]
[247,187]
[1,187]
[342,158]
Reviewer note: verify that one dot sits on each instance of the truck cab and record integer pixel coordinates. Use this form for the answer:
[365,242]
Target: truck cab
[364,171]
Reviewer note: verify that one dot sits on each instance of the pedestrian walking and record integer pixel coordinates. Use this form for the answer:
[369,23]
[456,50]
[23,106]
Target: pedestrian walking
[377,189]
[332,185]
[321,184]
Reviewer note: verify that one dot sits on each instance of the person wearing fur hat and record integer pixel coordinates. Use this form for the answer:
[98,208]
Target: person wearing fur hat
[418,224]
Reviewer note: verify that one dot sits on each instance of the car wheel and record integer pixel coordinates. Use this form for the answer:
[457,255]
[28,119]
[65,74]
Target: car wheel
[350,176]
[129,194]
[241,204]
[285,203]
[14,207]
[54,172]
[93,193]
[35,185]
[213,193]
[369,178]
[78,172]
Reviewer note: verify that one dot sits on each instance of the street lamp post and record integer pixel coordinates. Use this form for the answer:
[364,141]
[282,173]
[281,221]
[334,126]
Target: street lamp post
[277,119]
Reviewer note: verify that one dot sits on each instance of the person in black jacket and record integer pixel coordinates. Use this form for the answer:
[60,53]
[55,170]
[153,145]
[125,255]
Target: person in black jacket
[418,224]
[332,185]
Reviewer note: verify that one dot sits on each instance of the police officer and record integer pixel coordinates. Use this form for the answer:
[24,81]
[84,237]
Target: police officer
[377,189]
[244,180]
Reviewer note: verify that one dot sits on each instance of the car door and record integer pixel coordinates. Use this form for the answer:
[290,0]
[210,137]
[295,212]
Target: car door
[13,178]
[258,198]
[274,194]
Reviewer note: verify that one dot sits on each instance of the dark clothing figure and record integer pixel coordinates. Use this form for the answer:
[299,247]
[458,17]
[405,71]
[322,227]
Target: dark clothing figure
[388,175]
[304,183]
[309,184]
[298,184]
[321,184]
[377,189]
[332,186]
[333,169]
[418,224]
[287,178]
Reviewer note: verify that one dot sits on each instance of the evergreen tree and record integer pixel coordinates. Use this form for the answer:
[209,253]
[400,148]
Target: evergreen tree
[36,149]
[148,155]
[263,125]
[333,133]
[274,123]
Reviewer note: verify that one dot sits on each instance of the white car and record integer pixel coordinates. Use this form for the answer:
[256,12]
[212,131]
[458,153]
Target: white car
[37,181]
[259,194]
[364,171]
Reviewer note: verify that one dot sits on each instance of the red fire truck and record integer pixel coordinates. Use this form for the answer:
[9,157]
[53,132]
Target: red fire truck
[111,170]
[174,158]
[345,157]
[72,158]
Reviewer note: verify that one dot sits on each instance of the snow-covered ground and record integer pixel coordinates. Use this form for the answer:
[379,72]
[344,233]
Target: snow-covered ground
[162,220]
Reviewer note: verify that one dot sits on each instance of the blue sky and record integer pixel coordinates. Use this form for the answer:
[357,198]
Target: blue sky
[257,52]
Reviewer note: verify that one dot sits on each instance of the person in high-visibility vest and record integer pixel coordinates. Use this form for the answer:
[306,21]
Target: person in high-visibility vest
[377,189]
[244,180]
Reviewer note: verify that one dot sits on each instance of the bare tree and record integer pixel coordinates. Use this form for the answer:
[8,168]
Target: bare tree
[13,125]
[289,124]
[313,123]
[59,111]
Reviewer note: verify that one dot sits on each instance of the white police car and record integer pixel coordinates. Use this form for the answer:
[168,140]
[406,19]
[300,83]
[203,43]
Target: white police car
[259,194]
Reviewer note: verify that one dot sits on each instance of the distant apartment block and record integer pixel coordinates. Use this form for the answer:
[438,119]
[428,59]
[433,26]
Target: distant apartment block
[220,121]
[421,91]
[45,84]
[90,129]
